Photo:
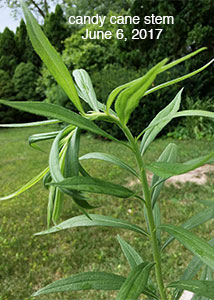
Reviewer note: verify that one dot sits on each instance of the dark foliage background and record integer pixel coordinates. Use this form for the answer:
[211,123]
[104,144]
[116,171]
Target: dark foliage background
[113,62]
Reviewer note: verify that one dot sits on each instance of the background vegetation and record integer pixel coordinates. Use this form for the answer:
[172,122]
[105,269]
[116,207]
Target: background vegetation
[27,262]
[112,62]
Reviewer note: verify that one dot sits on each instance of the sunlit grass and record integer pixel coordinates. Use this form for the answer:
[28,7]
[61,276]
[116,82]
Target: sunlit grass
[28,263]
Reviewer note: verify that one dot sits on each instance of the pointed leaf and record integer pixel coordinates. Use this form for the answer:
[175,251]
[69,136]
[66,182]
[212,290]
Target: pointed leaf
[57,206]
[32,124]
[178,61]
[171,82]
[95,220]
[169,111]
[192,269]
[193,243]
[94,185]
[27,185]
[84,281]
[50,57]
[56,111]
[166,170]
[199,287]
[200,218]
[168,155]
[35,138]
[116,91]
[109,158]
[72,152]
[129,98]
[85,88]
[196,113]
[131,255]
[135,283]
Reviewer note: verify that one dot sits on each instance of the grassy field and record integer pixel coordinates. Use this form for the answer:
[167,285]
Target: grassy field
[27,262]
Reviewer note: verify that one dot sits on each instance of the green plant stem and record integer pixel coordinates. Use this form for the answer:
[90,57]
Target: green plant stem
[148,205]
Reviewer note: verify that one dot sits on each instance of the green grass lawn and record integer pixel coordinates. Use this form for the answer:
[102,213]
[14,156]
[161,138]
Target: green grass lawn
[28,263]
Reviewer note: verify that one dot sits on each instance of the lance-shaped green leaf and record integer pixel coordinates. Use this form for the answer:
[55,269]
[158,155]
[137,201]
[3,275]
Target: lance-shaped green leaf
[58,205]
[199,287]
[198,219]
[169,111]
[57,175]
[129,98]
[35,138]
[178,61]
[85,88]
[133,258]
[51,198]
[84,281]
[95,220]
[54,164]
[94,185]
[46,179]
[191,270]
[56,111]
[71,158]
[32,124]
[168,155]
[195,113]
[26,186]
[184,113]
[109,158]
[174,81]
[167,169]
[135,283]
[50,57]
[116,91]
[196,245]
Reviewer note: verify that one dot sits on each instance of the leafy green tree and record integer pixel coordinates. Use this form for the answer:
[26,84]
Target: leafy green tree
[93,55]
[55,28]
[8,51]
[26,52]
[24,79]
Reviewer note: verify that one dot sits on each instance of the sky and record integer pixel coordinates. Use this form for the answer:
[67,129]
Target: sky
[6,20]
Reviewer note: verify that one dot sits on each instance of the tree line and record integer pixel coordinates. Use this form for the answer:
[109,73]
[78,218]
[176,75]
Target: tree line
[109,62]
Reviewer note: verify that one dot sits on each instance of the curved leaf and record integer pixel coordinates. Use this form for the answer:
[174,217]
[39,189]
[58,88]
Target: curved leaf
[193,243]
[200,218]
[134,259]
[71,158]
[84,281]
[135,283]
[109,158]
[50,57]
[171,82]
[56,111]
[167,169]
[169,111]
[129,98]
[168,155]
[191,270]
[95,220]
[94,185]
[178,61]
[199,287]
[35,138]
[85,88]
[32,124]
[26,186]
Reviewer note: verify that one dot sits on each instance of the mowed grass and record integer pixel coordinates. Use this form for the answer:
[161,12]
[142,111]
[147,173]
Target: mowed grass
[28,263]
